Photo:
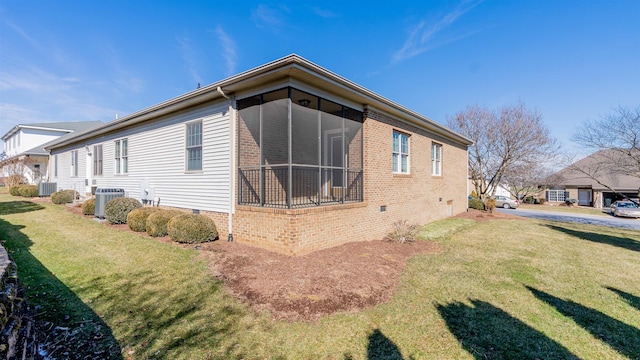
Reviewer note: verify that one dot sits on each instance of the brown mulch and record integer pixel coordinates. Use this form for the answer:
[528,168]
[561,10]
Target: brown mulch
[349,277]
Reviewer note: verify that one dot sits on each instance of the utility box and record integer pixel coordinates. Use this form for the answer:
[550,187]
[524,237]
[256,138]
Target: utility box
[47,188]
[103,195]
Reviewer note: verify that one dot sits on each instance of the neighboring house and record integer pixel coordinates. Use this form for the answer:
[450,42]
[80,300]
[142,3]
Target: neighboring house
[23,146]
[287,156]
[571,183]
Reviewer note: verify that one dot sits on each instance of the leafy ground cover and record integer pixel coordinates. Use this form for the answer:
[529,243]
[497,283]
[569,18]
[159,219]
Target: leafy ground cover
[496,288]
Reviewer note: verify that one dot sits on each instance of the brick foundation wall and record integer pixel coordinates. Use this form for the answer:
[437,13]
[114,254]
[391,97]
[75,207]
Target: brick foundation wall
[417,197]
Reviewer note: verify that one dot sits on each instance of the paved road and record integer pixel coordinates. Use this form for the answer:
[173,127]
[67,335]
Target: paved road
[606,220]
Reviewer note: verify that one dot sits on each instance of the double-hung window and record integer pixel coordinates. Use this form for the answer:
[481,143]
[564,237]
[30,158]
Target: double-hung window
[556,195]
[194,146]
[121,156]
[400,152]
[74,163]
[97,160]
[436,159]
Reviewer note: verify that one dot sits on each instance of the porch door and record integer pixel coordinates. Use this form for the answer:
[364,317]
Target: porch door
[584,197]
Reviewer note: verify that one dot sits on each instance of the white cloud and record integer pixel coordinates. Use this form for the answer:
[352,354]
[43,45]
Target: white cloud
[265,16]
[421,36]
[324,13]
[188,54]
[34,80]
[228,50]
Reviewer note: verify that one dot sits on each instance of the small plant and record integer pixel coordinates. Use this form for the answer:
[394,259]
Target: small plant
[89,207]
[63,196]
[542,201]
[571,202]
[402,232]
[117,209]
[156,224]
[490,204]
[137,218]
[29,191]
[476,204]
[474,194]
[192,229]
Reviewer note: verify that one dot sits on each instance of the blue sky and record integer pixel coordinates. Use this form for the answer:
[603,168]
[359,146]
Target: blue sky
[90,60]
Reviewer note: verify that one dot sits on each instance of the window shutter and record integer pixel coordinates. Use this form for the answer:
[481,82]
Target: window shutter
[546,195]
[566,195]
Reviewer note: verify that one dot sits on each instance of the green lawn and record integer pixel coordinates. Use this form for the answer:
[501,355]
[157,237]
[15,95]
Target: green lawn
[498,289]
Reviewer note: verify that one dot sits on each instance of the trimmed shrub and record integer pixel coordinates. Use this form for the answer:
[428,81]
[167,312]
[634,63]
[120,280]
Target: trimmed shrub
[192,229]
[571,202]
[89,207]
[542,201]
[63,196]
[476,204]
[15,190]
[117,209]
[137,218]
[29,191]
[157,222]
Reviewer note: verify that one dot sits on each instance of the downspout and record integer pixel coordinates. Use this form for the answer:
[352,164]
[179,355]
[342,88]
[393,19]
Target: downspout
[232,159]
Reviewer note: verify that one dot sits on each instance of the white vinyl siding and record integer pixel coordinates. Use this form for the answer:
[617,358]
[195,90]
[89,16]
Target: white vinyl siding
[400,152]
[156,154]
[436,159]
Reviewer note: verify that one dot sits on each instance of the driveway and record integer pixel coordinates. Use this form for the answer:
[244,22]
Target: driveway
[607,220]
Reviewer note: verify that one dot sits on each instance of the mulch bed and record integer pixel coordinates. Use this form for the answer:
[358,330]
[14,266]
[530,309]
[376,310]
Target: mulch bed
[348,277]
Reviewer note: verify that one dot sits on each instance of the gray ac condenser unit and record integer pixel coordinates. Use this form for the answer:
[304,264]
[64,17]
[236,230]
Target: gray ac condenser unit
[47,188]
[103,195]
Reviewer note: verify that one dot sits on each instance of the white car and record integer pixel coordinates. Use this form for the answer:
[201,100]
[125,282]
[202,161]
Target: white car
[625,208]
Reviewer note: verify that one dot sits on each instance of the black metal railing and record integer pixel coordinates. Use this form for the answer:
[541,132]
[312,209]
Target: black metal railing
[304,186]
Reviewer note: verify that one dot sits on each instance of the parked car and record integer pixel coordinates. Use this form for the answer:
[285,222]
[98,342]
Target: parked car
[625,208]
[505,202]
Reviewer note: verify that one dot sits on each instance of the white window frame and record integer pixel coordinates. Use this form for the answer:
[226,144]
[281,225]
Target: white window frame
[557,195]
[436,159]
[74,163]
[97,160]
[400,151]
[121,156]
[193,146]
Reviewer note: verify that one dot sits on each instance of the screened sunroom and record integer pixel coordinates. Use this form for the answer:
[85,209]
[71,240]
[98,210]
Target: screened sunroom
[296,150]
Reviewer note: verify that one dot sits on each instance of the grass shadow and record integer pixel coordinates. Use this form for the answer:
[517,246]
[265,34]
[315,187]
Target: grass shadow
[620,336]
[631,299]
[617,241]
[488,332]
[380,347]
[18,207]
[57,309]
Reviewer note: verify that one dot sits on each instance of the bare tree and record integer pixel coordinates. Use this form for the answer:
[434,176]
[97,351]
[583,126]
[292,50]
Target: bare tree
[619,133]
[505,140]
[616,136]
[524,180]
[14,171]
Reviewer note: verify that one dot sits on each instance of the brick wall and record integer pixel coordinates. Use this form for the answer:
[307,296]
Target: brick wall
[417,196]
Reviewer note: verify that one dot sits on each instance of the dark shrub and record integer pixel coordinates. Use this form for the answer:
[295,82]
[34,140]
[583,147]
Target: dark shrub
[192,228]
[476,204]
[89,207]
[117,209]
[157,222]
[15,190]
[137,218]
[571,202]
[29,191]
[63,196]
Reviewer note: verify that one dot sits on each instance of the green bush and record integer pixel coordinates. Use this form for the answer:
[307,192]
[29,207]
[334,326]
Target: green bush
[476,204]
[157,222]
[89,207]
[137,218]
[192,229]
[63,196]
[29,191]
[117,209]
[15,190]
